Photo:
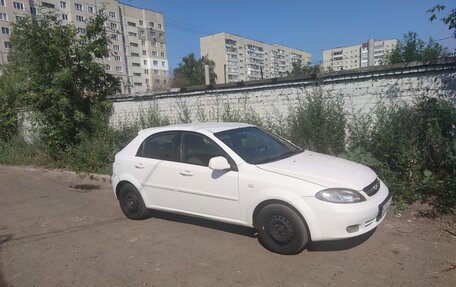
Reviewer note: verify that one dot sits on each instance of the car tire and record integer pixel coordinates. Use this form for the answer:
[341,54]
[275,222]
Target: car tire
[281,229]
[131,202]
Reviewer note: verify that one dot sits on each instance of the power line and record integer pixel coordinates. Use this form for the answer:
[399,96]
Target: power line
[444,38]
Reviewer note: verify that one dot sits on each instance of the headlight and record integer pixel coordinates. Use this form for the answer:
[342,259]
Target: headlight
[340,195]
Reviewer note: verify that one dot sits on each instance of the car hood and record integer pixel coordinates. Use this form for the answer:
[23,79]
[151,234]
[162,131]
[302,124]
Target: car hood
[325,170]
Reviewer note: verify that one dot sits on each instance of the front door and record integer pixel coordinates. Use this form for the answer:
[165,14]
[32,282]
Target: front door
[203,190]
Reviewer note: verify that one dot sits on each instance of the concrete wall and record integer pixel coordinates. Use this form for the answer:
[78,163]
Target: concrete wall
[362,89]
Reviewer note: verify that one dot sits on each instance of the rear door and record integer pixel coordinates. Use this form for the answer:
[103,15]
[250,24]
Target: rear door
[155,167]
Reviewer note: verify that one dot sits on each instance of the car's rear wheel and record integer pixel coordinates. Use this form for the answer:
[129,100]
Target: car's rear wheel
[131,202]
[281,229]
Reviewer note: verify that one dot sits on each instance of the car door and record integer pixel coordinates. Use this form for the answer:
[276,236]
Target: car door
[201,189]
[156,169]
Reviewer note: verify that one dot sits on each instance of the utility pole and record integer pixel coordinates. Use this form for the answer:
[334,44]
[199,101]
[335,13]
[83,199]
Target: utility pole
[206,75]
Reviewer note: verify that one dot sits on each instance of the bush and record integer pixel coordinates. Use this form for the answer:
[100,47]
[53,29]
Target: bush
[318,122]
[413,147]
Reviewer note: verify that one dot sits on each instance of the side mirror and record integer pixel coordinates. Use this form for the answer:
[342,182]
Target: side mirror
[219,163]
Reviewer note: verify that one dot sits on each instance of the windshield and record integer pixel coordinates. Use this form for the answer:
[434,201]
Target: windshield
[256,146]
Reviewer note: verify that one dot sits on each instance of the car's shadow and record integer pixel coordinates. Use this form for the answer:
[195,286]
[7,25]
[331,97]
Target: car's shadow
[335,245]
[341,244]
[226,227]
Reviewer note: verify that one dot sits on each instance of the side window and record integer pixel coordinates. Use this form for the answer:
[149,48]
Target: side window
[162,146]
[198,149]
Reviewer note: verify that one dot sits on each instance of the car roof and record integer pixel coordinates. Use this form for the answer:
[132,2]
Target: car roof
[213,127]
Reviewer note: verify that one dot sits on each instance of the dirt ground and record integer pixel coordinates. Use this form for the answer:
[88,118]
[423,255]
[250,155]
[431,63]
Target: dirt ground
[58,229]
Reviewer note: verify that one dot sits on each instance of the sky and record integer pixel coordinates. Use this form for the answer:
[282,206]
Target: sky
[311,26]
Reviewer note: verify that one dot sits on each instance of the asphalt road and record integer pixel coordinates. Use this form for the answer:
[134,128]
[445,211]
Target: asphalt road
[58,229]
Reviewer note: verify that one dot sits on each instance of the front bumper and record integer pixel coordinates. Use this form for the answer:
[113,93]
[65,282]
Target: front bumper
[331,221]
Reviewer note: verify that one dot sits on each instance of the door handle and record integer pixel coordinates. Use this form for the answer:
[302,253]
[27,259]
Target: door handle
[186,173]
[139,165]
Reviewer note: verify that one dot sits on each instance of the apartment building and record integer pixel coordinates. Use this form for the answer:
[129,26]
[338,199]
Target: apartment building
[368,54]
[138,55]
[241,59]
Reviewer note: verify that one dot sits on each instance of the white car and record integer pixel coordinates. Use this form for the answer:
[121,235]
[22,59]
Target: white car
[240,174]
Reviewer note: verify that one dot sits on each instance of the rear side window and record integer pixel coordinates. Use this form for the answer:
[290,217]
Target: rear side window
[162,146]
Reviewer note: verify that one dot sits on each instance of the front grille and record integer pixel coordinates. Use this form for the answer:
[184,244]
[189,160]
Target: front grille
[372,188]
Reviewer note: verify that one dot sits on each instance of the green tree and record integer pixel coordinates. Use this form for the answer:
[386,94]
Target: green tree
[9,90]
[449,20]
[412,48]
[190,71]
[299,68]
[63,86]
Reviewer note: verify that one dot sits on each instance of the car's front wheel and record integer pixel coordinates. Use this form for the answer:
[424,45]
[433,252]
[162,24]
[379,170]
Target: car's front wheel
[131,202]
[281,229]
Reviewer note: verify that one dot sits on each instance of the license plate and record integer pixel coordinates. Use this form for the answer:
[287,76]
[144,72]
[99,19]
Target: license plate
[383,207]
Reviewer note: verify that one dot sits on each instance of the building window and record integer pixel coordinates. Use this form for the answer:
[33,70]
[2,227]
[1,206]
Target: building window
[19,18]
[48,5]
[7,45]
[116,47]
[138,84]
[162,54]
[145,62]
[143,42]
[115,37]
[134,54]
[147,81]
[132,34]
[5,31]
[144,52]
[112,14]
[136,65]
[63,4]
[137,74]
[81,30]
[3,16]
[141,23]
[2,2]
[64,16]
[154,53]
[159,26]
[117,58]
[131,24]
[156,72]
[133,44]
[141,32]
[91,9]
[151,24]
[155,63]
[146,72]
[113,26]
[18,6]
[78,7]
[163,64]
[160,35]
[118,69]
[107,67]
[157,81]
[79,18]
